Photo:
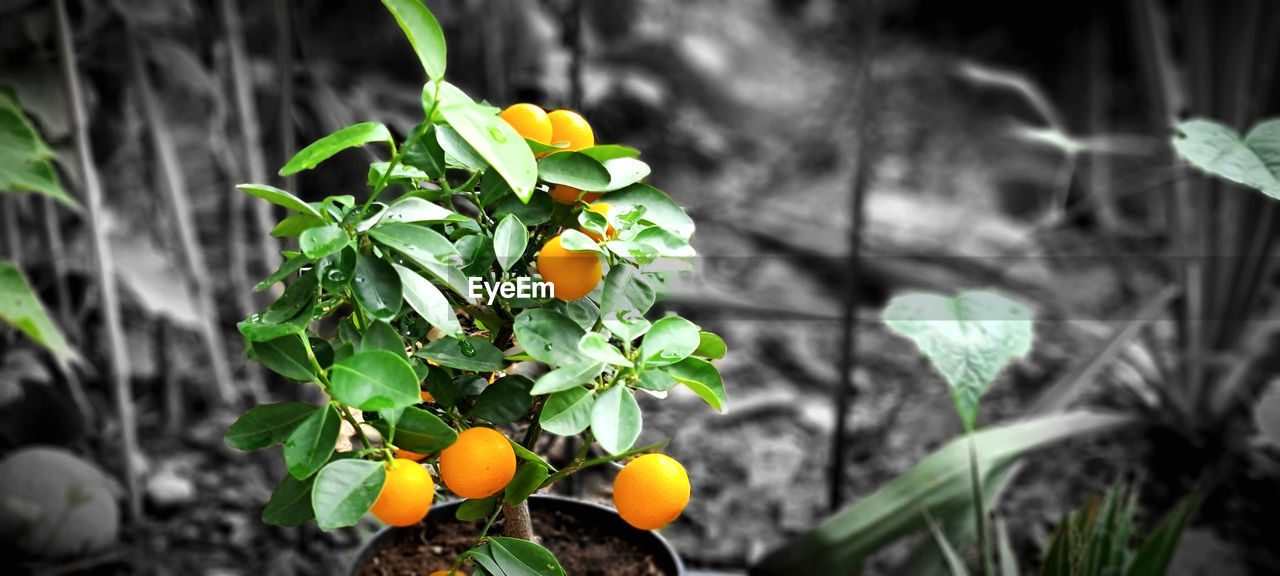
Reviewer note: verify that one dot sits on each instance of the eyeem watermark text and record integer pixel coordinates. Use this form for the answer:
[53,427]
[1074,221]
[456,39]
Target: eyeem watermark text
[522,287]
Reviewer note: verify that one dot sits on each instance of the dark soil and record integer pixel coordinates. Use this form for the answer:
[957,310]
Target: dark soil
[582,549]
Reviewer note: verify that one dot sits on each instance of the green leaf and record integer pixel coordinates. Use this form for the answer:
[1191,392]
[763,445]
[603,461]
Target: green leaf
[537,212]
[624,172]
[295,224]
[280,198]
[477,256]
[515,557]
[311,444]
[606,152]
[28,161]
[567,377]
[290,503]
[266,425]
[575,170]
[1156,553]
[424,152]
[287,269]
[457,152]
[504,401]
[549,336]
[414,209]
[296,297]
[524,454]
[583,311]
[633,252]
[659,208]
[349,137]
[323,240]
[616,419]
[377,288]
[939,483]
[403,172]
[336,270]
[1008,560]
[345,490]
[20,308]
[664,243]
[510,239]
[255,329]
[969,338]
[492,138]
[493,188]
[593,222]
[373,380]
[656,380]
[426,248]
[575,241]
[701,377]
[670,340]
[423,32]
[473,510]
[285,356]
[595,346]
[955,564]
[423,432]
[1217,149]
[382,336]
[625,299]
[473,353]
[568,412]
[428,301]
[710,346]
[529,476]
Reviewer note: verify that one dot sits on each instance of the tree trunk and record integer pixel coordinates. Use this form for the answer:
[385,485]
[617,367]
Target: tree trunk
[516,523]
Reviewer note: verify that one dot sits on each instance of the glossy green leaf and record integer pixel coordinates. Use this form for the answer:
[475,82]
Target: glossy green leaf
[536,212]
[377,288]
[493,188]
[285,356]
[575,241]
[255,329]
[549,336]
[311,444]
[595,346]
[710,346]
[287,268]
[20,308]
[379,335]
[664,243]
[593,222]
[349,137]
[493,139]
[969,338]
[295,225]
[656,380]
[472,353]
[670,340]
[567,377]
[504,401]
[635,253]
[510,239]
[582,311]
[266,425]
[413,209]
[575,170]
[476,509]
[337,270]
[459,154]
[515,557]
[373,380]
[424,34]
[344,490]
[290,503]
[624,172]
[28,161]
[955,564]
[616,420]
[1219,150]
[280,198]
[659,208]
[425,248]
[1157,552]
[428,301]
[701,377]
[626,297]
[568,412]
[606,152]
[529,477]
[425,153]
[323,240]
[296,297]
[420,431]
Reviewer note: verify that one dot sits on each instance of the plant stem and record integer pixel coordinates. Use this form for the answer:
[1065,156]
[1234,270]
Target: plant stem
[579,465]
[516,522]
[980,507]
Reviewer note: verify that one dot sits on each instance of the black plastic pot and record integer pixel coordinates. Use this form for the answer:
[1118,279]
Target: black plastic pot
[664,556]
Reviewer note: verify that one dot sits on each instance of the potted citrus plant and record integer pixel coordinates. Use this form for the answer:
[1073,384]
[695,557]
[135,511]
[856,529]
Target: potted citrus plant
[488,292]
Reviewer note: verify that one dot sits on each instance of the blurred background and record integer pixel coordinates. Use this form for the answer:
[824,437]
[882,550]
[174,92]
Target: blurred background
[831,153]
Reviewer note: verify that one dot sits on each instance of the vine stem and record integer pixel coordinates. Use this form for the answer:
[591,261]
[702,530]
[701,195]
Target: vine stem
[980,507]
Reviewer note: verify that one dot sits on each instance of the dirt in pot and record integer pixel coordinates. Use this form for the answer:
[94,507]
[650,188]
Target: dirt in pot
[582,549]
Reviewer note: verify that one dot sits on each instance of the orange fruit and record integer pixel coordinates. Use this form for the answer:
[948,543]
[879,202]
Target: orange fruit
[651,491]
[479,464]
[406,495]
[573,274]
[529,121]
[569,126]
[426,396]
[407,455]
[602,209]
[568,195]
[447,573]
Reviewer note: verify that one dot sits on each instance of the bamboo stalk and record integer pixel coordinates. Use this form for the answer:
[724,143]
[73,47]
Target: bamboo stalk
[845,393]
[119,360]
[175,188]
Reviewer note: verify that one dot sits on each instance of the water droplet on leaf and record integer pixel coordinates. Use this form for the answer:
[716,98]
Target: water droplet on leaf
[466,348]
[497,134]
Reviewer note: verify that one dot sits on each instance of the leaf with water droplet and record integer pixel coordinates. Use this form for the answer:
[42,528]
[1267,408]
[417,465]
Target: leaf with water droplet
[549,336]
[484,357]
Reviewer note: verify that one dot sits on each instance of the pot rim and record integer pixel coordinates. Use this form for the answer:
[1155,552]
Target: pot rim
[383,532]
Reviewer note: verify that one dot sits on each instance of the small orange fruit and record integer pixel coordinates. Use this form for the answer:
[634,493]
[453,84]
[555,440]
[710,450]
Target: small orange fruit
[529,121]
[651,491]
[407,455]
[569,126]
[568,195]
[572,274]
[426,396]
[406,495]
[448,573]
[479,464]
[602,209]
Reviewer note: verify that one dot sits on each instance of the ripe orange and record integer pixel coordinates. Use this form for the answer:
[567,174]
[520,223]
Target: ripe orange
[407,494]
[651,491]
[567,195]
[602,209]
[529,121]
[573,274]
[479,464]
[407,455]
[426,396]
[569,126]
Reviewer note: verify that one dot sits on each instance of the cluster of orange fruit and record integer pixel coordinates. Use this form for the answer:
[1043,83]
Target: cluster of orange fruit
[574,274]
